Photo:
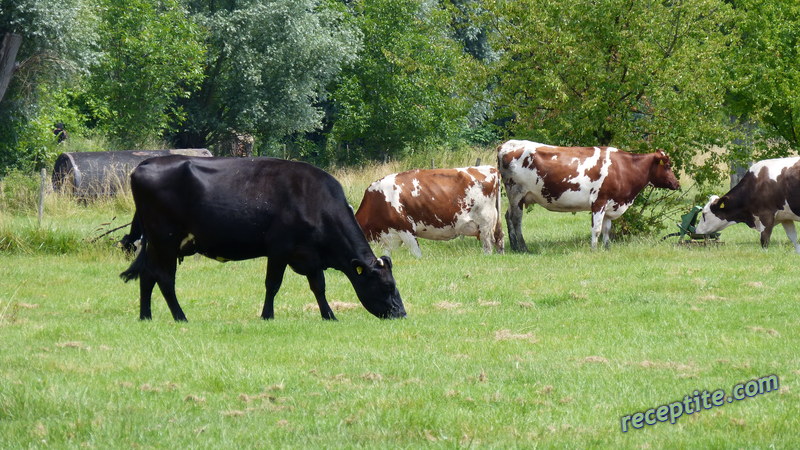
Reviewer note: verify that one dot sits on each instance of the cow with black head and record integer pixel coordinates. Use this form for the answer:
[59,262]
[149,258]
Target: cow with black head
[768,194]
[240,208]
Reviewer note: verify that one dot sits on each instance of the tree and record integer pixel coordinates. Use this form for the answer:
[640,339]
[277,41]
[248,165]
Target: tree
[152,55]
[636,74]
[412,85]
[766,100]
[268,66]
[46,45]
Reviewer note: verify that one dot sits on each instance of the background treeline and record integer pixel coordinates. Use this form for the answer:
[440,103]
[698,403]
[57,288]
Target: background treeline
[347,81]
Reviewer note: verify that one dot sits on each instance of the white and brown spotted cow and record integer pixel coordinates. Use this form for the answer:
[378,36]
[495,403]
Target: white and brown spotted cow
[437,204]
[769,193]
[602,180]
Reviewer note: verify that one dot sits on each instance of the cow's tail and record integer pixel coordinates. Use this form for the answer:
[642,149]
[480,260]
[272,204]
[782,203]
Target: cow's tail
[138,264]
[498,226]
[128,244]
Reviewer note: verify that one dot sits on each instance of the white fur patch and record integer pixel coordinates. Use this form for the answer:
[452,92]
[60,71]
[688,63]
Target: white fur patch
[390,190]
[477,214]
[416,191]
[709,222]
[186,241]
[774,166]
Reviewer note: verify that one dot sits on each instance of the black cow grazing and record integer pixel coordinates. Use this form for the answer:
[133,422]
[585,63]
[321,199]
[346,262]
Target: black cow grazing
[234,209]
[769,193]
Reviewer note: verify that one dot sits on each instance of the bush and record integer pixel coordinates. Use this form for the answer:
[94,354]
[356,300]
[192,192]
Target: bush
[35,239]
[651,212]
[19,191]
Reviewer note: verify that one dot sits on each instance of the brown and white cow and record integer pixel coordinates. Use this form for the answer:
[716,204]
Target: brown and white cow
[602,180]
[769,193]
[437,204]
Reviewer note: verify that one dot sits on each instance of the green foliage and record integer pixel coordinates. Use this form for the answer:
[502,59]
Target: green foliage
[59,44]
[413,85]
[153,54]
[766,100]
[19,191]
[33,239]
[639,75]
[267,67]
[59,37]
[650,212]
[27,141]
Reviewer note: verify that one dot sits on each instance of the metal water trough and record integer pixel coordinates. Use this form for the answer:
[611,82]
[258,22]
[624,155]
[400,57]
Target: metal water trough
[686,231]
[98,174]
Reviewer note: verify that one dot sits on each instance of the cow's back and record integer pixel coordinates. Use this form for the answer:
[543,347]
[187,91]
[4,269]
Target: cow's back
[772,183]
[237,208]
[558,178]
[437,204]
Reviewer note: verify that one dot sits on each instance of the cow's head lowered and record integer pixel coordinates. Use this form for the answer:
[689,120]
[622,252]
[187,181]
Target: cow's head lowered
[375,287]
[714,218]
[661,174]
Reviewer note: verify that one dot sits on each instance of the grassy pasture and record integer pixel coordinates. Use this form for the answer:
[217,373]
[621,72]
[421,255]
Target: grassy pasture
[544,349]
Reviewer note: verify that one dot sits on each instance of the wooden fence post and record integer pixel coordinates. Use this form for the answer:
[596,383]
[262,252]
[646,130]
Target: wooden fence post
[41,195]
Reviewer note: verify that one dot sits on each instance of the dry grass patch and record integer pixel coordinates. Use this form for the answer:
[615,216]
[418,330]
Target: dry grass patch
[507,335]
[769,331]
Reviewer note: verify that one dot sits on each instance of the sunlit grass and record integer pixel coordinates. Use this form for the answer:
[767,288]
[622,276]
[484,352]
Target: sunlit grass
[549,348]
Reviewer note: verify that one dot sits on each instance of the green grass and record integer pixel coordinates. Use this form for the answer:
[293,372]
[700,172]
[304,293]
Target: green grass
[544,349]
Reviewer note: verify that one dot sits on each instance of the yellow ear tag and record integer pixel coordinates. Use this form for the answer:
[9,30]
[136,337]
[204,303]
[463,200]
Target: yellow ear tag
[660,162]
[359,270]
[721,205]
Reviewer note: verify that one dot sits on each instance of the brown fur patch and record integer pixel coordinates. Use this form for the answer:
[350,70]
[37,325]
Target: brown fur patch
[435,201]
[627,175]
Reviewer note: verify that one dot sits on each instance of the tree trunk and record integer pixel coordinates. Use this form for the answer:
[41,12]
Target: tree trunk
[8,57]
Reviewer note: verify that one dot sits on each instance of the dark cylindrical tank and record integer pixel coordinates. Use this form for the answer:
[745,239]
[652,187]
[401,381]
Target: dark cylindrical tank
[95,174]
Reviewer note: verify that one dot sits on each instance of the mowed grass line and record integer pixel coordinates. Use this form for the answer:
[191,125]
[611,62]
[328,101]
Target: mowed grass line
[543,349]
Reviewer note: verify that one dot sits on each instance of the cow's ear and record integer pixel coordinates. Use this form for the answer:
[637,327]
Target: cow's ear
[358,266]
[719,201]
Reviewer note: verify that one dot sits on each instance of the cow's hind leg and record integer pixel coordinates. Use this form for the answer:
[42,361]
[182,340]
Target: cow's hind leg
[791,232]
[316,281]
[486,239]
[146,284]
[497,238]
[275,271]
[411,242]
[514,223]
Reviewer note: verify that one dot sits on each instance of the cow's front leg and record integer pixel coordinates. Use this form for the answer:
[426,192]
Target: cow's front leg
[791,233]
[275,271]
[316,281]
[767,222]
[597,225]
